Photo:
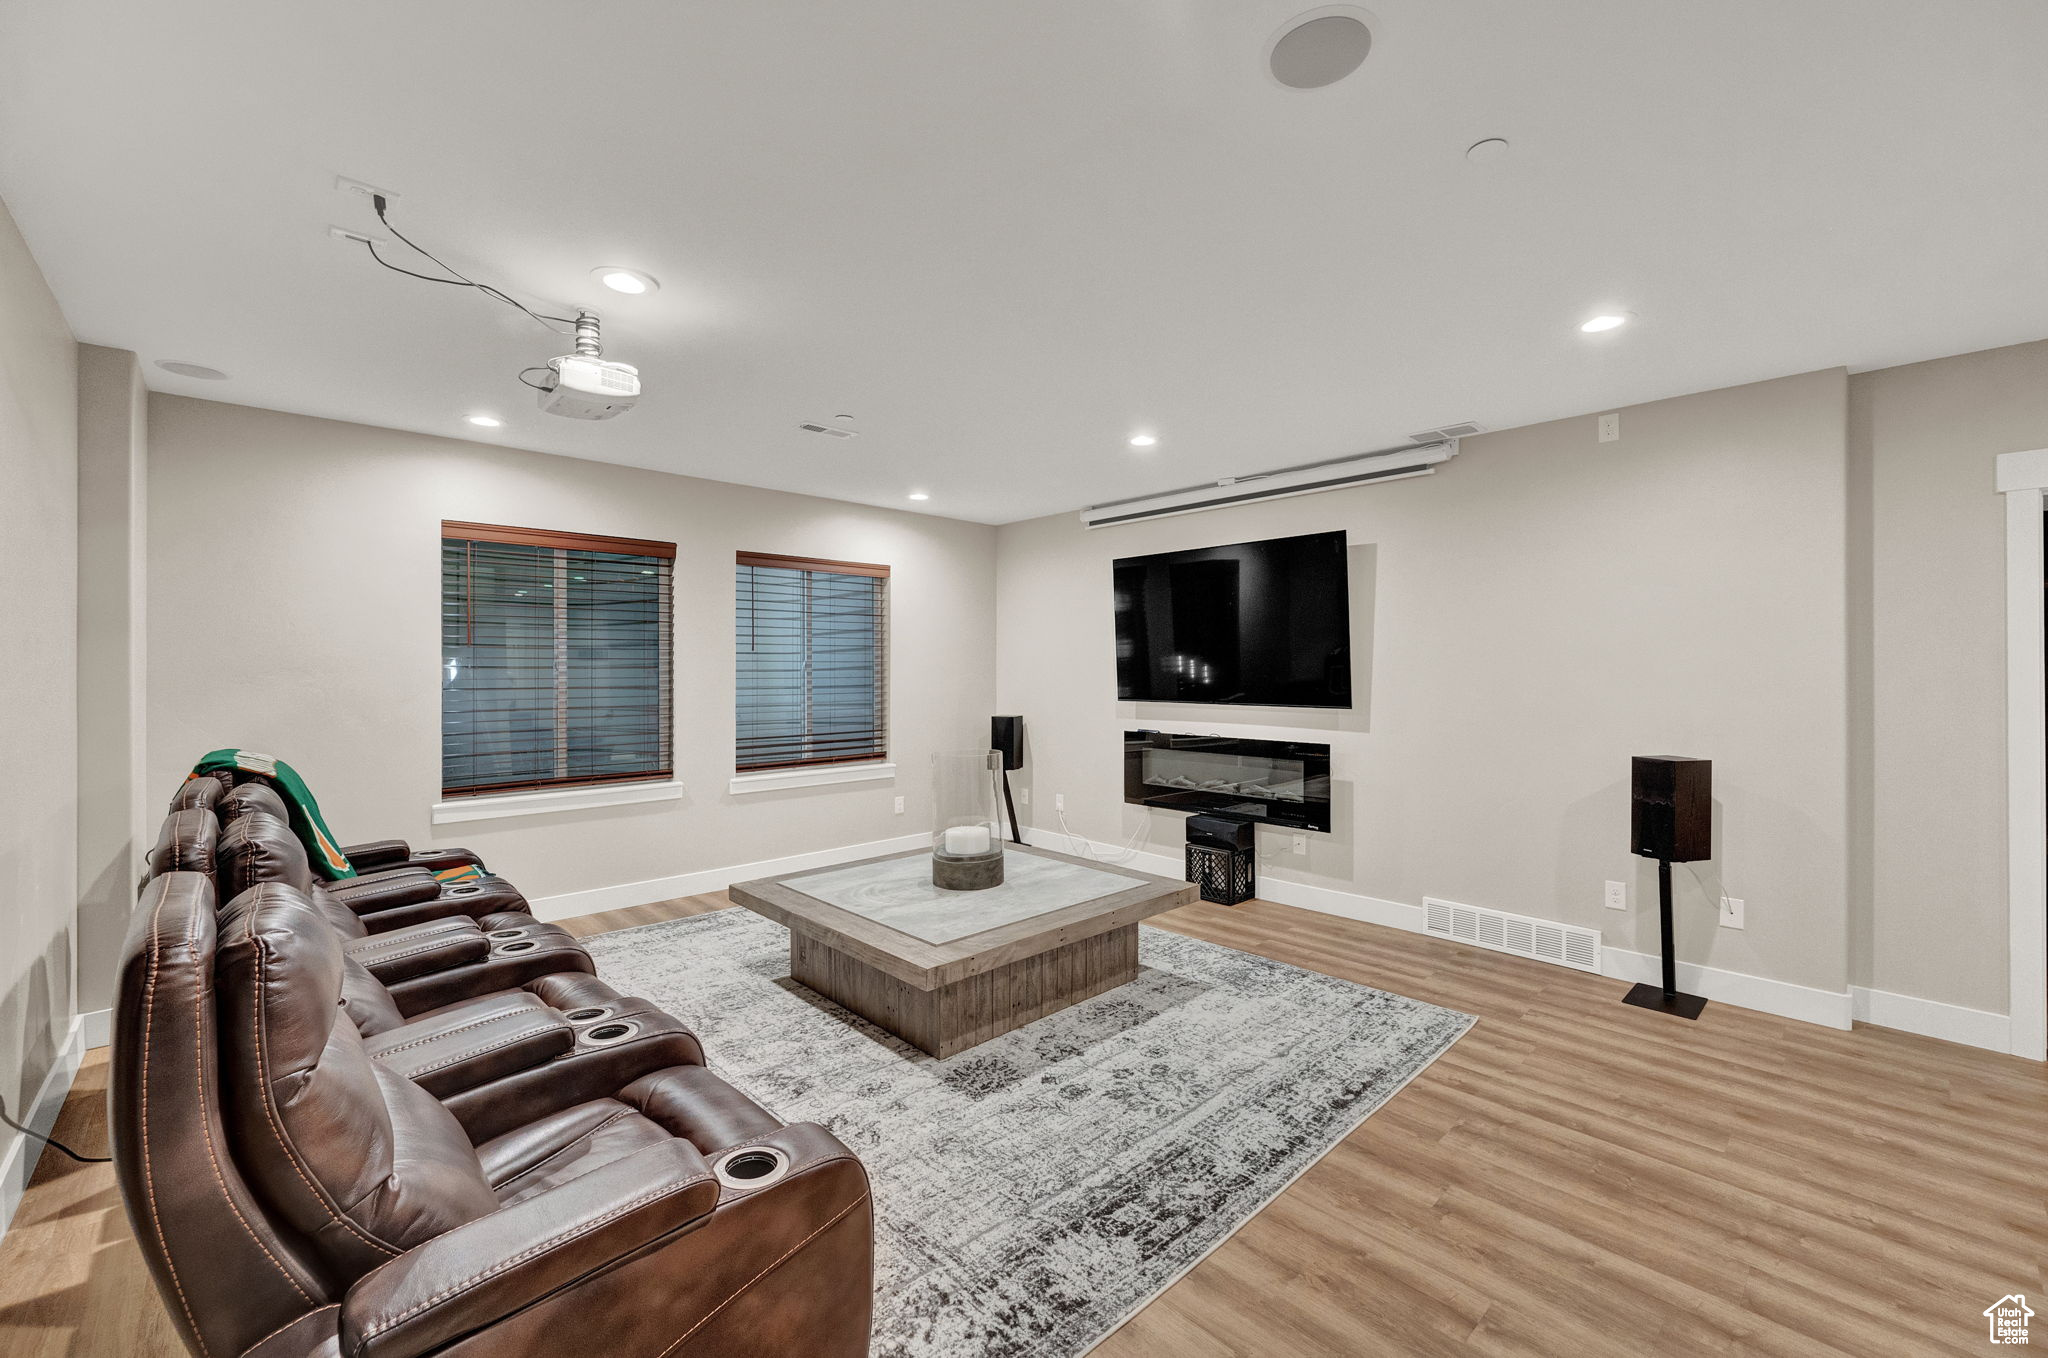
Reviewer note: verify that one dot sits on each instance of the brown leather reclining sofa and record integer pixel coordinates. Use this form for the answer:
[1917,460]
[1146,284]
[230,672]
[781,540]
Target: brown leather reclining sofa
[336,1142]
[395,885]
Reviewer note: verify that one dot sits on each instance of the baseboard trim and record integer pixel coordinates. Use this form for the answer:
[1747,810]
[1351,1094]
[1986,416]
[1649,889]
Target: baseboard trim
[1931,1018]
[18,1162]
[1808,1004]
[599,899]
[99,1027]
[1805,1004]
[1321,899]
[1827,1008]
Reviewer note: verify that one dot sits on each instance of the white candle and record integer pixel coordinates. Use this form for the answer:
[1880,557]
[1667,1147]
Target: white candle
[963,841]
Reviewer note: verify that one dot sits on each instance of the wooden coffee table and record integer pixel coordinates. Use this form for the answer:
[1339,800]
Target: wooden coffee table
[946,970]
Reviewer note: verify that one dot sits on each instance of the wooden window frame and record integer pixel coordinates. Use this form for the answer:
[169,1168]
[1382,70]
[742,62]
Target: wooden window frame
[831,567]
[552,539]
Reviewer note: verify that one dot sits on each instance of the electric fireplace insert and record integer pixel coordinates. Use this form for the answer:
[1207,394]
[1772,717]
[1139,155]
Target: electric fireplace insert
[1275,782]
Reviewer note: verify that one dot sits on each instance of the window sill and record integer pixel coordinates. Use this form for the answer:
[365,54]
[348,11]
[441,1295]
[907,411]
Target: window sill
[566,799]
[820,775]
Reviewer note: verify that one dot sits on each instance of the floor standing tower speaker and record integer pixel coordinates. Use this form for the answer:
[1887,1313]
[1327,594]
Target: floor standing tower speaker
[1006,738]
[1671,819]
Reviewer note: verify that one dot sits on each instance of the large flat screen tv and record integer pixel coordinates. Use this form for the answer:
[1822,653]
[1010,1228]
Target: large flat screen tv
[1262,624]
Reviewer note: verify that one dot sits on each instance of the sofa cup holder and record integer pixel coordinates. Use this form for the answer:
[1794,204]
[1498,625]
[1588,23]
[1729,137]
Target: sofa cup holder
[519,945]
[750,1167]
[588,1015]
[605,1034]
[466,889]
[505,933]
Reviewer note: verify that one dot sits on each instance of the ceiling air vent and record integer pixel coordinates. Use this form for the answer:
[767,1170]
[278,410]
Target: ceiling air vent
[829,432]
[1566,945]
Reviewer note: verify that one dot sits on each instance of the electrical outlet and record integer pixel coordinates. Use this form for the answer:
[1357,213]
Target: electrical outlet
[1059,801]
[1731,913]
[899,806]
[1617,895]
[1024,796]
[343,184]
[1299,844]
[1610,428]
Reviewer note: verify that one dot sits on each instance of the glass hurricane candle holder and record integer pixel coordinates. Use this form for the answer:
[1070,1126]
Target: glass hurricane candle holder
[967,845]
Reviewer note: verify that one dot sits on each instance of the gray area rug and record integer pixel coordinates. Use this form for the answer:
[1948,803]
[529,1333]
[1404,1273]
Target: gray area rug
[1034,1192]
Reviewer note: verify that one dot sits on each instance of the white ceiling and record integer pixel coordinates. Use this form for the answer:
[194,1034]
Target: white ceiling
[1007,236]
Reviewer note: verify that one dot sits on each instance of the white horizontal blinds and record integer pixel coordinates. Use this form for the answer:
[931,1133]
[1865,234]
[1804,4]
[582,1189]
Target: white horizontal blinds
[555,659]
[812,680]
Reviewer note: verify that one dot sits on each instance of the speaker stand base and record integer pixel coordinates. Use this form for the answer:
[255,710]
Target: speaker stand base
[1643,995]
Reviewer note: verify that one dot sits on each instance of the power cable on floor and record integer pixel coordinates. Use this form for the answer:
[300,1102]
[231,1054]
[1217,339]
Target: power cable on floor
[53,1141]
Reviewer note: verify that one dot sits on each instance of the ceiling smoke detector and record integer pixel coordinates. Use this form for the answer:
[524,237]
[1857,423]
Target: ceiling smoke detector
[829,431]
[1320,47]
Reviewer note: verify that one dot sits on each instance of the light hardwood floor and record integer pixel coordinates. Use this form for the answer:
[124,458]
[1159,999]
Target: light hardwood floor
[1572,1178]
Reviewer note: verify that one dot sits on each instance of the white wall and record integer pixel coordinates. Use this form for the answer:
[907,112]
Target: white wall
[1524,621]
[117,815]
[295,568]
[38,679]
[1929,646]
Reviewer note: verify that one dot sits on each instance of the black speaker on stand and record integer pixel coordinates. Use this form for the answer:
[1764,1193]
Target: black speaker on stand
[1006,738]
[1671,820]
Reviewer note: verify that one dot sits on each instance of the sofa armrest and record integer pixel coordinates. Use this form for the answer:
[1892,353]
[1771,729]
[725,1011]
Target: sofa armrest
[486,1041]
[516,956]
[491,1268]
[589,1070]
[421,950]
[385,891]
[374,854]
[437,860]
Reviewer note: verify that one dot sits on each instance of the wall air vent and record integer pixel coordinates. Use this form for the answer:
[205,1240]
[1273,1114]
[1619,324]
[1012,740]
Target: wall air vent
[1251,487]
[1566,945]
[1449,431]
[829,432]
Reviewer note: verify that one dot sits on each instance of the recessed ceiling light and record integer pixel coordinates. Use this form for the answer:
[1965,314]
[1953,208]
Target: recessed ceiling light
[1486,152]
[624,280]
[184,369]
[919,495]
[1143,440]
[484,421]
[1609,321]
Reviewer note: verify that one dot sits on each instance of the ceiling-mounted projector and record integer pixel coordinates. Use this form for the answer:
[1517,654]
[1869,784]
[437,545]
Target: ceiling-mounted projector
[579,386]
[586,386]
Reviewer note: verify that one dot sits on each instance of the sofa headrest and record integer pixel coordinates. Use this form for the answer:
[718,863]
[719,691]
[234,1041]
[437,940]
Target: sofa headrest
[203,790]
[260,848]
[252,797]
[188,842]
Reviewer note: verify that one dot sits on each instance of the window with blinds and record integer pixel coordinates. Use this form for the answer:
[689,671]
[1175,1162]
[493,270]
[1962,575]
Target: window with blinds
[555,655]
[813,680]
